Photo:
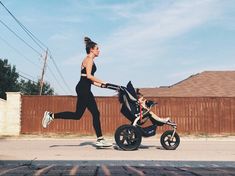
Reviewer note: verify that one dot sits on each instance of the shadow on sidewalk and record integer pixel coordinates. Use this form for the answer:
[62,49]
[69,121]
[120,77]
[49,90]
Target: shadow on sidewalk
[79,145]
[141,147]
[115,147]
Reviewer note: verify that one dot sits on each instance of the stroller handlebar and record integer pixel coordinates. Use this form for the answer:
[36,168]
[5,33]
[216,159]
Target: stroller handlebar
[113,86]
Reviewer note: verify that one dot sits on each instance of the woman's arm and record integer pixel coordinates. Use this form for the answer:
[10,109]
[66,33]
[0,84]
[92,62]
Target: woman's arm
[96,84]
[96,81]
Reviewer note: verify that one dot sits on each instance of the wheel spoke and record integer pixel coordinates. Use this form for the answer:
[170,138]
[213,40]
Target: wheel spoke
[123,139]
[172,142]
[131,137]
[134,140]
[167,138]
[125,132]
[169,143]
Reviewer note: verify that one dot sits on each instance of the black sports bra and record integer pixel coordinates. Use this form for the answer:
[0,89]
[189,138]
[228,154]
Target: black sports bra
[93,70]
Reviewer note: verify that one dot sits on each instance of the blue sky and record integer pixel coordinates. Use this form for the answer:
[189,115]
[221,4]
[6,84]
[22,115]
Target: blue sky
[150,42]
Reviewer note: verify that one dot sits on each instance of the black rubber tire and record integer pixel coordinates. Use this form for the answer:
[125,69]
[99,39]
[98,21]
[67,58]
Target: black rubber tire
[128,137]
[167,143]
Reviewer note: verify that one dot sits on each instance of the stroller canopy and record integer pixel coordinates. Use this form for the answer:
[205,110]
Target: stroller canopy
[128,99]
[131,90]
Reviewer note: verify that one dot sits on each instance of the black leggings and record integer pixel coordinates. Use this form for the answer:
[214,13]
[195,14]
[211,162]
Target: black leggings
[84,100]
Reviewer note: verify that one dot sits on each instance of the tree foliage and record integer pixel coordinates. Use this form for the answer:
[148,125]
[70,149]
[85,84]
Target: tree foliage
[8,78]
[10,82]
[33,88]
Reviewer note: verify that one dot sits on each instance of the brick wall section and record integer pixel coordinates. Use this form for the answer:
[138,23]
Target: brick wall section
[33,108]
[194,115]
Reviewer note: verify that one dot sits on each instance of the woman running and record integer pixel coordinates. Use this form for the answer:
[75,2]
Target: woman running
[85,98]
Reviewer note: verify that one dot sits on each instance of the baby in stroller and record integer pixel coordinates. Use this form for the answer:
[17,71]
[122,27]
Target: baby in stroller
[146,108]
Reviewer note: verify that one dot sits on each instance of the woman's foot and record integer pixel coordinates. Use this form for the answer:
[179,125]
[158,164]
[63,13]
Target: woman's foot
[47,119]
[101,142]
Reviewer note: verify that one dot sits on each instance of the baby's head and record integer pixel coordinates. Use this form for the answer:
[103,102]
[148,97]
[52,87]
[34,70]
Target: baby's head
[139,95]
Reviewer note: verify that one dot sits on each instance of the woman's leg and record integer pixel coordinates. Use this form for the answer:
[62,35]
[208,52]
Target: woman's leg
[80,109]
[92,107]
[82,101]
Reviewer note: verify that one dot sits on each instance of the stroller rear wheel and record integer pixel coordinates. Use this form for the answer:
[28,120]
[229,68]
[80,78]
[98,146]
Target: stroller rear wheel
[168,142]
[128,137]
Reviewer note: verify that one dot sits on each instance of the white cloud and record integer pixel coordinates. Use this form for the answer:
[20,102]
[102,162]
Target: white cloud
[140,45]
[148,29]
[116,10]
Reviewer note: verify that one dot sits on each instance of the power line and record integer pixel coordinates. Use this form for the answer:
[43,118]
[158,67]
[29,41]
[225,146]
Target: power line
[27,78]
[35,39]
[55,78]
[16,50]
[26,74]
[60,73]
[57,69]
[4,24]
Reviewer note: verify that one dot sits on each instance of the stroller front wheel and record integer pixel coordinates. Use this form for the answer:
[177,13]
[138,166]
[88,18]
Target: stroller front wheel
[168,142]
[128,137]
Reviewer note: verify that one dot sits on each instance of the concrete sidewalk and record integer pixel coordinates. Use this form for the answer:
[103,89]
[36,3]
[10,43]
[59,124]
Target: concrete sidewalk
[33,155]
[190,149]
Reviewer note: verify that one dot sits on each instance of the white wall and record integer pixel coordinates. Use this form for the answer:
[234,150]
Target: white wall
[10,111]
[2,113]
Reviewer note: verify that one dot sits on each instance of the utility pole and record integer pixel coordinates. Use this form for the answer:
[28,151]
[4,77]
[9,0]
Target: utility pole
[43,72]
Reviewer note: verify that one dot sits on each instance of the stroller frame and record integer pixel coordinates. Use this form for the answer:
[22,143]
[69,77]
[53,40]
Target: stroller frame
[129,136]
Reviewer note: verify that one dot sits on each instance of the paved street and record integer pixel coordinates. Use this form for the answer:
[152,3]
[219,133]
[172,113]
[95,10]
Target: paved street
[79,156]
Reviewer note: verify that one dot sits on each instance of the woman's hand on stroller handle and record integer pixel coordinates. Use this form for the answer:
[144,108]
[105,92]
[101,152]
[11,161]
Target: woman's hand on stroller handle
[112,86]
[103,85]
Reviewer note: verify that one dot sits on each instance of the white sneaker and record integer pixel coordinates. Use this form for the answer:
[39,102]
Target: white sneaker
[102,143]
[47,119]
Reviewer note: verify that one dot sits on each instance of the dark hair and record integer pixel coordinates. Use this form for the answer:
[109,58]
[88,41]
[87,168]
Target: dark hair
[138,93]
[89,44]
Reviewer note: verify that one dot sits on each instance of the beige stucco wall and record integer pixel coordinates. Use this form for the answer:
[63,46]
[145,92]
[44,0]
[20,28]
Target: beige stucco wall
[2,113]
[10,111]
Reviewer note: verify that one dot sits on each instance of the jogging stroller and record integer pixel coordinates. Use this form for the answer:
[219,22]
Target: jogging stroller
[129,136]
